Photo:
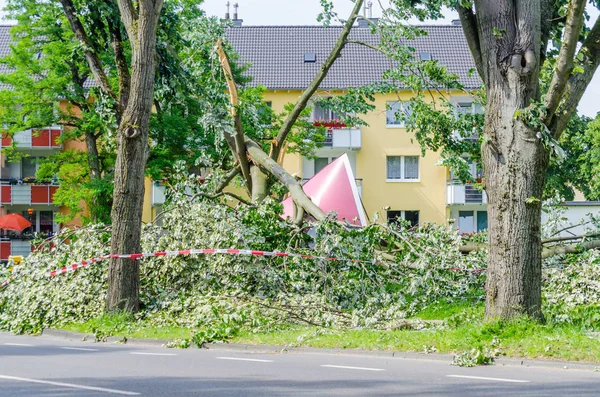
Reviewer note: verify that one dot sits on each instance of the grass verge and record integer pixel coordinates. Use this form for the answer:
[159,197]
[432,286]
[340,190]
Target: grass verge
[463,331]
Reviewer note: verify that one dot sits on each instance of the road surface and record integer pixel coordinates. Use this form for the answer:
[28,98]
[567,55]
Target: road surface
[40,366]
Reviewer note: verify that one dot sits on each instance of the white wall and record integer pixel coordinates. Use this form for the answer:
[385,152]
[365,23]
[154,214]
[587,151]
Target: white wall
[576,212]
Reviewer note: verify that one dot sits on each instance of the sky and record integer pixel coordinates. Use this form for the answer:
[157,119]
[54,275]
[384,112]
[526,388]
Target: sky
[304,12]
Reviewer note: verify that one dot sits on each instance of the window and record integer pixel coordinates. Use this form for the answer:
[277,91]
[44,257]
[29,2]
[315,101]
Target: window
[402,168]
[469,108]
[47,222]
[482,220]
[265,114]
[28,167]
[310,57]
[466,221]
[472,221]
[322,113]
[425,56]
[395,111]
[412,217]
[320,163]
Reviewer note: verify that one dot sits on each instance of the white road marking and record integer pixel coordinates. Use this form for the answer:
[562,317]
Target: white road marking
[72,386]
[244,359]
[357,368]
[152,354]
[485,378]
[18,344]
[83,349]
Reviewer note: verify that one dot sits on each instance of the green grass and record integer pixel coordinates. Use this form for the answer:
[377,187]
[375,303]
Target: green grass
[446,309]
[464,330]
[123,325]
[522,338]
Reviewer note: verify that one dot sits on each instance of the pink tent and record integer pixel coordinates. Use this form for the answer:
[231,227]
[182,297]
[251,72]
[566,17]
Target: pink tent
[334,189]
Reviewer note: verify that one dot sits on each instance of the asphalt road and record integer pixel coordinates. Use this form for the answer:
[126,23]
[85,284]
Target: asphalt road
[40,366]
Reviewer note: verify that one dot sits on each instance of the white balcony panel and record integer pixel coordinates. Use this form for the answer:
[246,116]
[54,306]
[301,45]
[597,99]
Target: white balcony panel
[347,138]
[464,194]
[20,247]
[23,139]
[158,195]
[456,194]
[21,194]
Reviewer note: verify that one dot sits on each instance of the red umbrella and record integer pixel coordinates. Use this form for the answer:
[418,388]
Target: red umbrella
[14,222]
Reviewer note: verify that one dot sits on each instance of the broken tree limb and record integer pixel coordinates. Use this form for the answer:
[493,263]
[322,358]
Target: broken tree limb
[335,53]
[567,238]
[570,248]
[228,178]
[236,143]
[300,198]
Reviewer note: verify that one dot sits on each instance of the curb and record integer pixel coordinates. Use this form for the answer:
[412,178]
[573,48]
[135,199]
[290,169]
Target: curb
[271,349]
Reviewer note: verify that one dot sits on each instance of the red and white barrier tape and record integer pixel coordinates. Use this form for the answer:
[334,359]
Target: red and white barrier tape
[88,262]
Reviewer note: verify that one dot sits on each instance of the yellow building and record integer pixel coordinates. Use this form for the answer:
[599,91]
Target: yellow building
[393,178]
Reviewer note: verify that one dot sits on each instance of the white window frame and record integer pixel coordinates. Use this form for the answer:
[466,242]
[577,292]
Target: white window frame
[403,106]
[403,179]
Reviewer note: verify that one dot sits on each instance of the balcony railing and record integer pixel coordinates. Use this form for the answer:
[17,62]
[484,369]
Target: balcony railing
[27,194]
[46,138]
[464,194]
[158,194]
[12,246]
[344,138]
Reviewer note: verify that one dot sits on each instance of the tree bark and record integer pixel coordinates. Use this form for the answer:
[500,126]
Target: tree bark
[515,164]
[514,158]
[260,184]
[295,188]
[132,152]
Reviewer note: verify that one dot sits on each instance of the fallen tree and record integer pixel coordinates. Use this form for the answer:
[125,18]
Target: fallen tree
[254,163]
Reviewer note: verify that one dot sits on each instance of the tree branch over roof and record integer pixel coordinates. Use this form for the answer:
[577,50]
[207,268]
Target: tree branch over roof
[578,82]
[469,25]
[91,55]
[289,122]
[564,63]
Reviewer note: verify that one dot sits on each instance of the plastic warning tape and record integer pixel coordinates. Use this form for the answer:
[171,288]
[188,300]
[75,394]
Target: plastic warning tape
[211,251]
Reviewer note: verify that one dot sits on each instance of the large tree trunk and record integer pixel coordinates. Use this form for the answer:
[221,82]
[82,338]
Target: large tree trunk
[514,158]
[123,274]
[515,165]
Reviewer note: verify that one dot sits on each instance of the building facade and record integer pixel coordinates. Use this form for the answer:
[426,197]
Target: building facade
[394,179]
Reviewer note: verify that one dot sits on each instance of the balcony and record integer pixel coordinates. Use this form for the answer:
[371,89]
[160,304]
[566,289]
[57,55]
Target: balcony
[14,247]
[27,194]
[158,194]
[35,139]
[464,194]
[343,138]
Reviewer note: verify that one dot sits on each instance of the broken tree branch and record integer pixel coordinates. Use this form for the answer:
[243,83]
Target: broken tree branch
[236,144]
[570,249]
[261,158]
[289,122]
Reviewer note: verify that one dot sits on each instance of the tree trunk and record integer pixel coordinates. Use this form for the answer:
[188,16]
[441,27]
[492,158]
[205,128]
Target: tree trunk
[506,44]
[260,184]
[515,167]
[132,153]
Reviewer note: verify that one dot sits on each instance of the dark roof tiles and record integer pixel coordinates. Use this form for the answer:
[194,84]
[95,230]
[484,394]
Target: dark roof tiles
[276,55]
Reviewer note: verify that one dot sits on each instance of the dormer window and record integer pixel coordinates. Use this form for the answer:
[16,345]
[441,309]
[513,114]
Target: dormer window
[310,57]
[425,56]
